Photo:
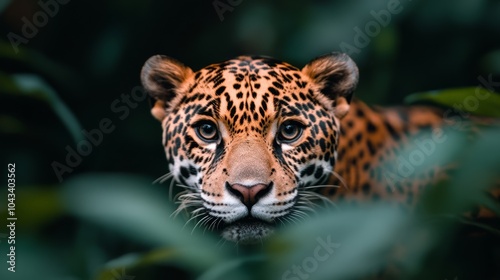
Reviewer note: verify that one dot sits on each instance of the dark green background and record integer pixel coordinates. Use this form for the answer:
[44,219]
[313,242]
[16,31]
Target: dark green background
[91,52]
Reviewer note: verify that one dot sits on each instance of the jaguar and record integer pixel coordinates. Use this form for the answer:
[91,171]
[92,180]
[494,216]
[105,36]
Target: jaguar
[254,139]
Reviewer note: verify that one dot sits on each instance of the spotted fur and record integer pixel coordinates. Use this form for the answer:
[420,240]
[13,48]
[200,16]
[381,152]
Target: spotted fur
[249,137]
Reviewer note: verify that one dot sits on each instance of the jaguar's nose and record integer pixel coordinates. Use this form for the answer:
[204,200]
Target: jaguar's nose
[249,195]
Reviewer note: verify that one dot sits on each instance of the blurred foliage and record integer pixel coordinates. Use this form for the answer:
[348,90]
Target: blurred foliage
[477,101]
[107,221]
[34,87]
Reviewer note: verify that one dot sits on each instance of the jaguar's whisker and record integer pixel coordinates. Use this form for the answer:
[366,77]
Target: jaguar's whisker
[192,218]
[321,186]
[163,178]
[337,175]
[199,222]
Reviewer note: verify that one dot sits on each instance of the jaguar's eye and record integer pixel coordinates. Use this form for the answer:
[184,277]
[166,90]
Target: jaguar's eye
[290,131]
[207,131]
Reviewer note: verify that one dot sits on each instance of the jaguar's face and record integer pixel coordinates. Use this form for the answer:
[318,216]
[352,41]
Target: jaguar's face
[248,135]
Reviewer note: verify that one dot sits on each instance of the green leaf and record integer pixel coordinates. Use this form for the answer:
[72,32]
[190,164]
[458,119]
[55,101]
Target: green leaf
[472,165]
[133,261]
[362,236]
[479,170]
[35,87]
[233,269]
[475,100]
[38,62]
[130,206]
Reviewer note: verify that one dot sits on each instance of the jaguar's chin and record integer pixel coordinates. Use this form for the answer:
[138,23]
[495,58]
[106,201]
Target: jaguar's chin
[247,231]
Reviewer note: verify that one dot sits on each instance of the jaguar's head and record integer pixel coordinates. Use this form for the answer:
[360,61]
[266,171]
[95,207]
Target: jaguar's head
[247,136]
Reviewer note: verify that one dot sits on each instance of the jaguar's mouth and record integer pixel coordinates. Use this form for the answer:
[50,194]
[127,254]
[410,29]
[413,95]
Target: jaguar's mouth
[248,230]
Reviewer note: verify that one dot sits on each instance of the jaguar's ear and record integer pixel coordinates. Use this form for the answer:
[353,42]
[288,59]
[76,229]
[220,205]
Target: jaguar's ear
[336,76]
[162,78]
